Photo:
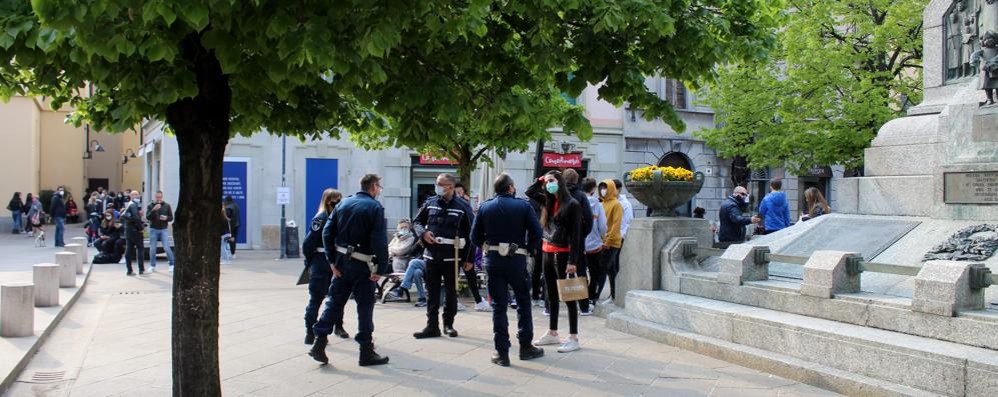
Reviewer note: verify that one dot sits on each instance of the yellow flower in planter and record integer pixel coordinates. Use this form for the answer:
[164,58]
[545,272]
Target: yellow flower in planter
[645,174]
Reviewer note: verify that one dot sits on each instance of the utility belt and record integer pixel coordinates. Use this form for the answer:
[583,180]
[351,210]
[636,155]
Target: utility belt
[506,249]
[366,259]
[460,242]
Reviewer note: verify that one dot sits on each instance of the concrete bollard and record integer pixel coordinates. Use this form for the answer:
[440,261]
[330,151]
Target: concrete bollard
[741,262]
[81,252]
[946,287]
[82,241]
[67,265]
[46,280]
[826,273]
[17,310]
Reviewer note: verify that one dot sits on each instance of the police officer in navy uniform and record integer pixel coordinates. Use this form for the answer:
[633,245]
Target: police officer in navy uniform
[508,231]
[356,240]
[443,223]
[319,272]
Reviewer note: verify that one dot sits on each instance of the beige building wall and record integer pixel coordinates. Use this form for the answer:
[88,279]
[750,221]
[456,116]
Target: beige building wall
[132,172]
[19,128]
[61,154]
[106,164]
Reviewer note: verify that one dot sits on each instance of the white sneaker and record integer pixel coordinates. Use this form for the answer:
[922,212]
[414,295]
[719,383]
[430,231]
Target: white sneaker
[607,301]
[587,312]
[547,339]
[570,345]
[483,306]
[171,270]
[152,269]
[460,307]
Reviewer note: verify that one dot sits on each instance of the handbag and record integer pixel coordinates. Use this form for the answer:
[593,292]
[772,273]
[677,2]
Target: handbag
[573,288]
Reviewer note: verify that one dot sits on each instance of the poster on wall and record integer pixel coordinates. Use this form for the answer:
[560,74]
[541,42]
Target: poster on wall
[234,183]
[320,174]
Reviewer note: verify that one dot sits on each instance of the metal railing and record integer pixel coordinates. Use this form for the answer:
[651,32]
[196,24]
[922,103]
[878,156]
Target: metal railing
[979,277]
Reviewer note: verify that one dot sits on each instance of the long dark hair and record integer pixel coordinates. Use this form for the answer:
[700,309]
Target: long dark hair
[17,197]
[562,196]
[29,198]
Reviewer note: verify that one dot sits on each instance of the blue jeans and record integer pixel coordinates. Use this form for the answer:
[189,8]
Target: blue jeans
[60,231]
[156,235]
[17,227]
[414,274]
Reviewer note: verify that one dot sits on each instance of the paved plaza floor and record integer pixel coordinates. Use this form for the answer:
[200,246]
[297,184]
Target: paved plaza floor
[116,341]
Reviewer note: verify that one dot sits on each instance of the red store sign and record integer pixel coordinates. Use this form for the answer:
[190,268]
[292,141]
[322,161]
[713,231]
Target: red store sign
[559,160]
[426,159]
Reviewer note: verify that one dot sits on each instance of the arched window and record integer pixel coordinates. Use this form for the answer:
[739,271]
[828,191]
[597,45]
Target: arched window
[675,159]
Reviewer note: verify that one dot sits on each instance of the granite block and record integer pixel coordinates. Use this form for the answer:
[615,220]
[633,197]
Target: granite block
[826,274]
[943,288]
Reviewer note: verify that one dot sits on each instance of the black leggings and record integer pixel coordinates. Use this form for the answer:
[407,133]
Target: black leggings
[537,287]
[472,277]
[551,284]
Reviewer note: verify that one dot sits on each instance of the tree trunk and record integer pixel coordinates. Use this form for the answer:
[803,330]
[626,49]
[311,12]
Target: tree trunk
[201,125]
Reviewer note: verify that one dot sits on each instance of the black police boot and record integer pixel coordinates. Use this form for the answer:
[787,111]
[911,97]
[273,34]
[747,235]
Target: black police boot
[318,351]
[368,357]
[309,337]
[340,332]
[450,331]
[531,352]
[428,332]
[500,359]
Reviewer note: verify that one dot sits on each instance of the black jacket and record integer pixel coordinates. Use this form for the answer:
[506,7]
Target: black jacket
[153,216]
[446,219]
[358,221]
[232,211]
[58,208]
[587,213]
[732,222]
[133,220]
[564,227]
[15,205]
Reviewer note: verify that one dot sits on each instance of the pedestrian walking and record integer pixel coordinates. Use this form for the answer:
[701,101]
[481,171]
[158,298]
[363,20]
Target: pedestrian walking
[507,230]
[35,216]
[57,209]
[15,206]
[28,226]
[159,214]
[133,221]
[226,229]
[232,213]
[355,241]
[563,248]
[320,274]
[443,224]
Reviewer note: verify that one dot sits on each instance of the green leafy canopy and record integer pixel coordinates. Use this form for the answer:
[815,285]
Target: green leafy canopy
[841,70]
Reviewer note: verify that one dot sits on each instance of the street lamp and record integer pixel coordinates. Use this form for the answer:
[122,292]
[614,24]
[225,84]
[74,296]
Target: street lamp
[129,153]
[96,146]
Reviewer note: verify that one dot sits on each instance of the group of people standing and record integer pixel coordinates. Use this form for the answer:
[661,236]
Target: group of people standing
[773,216]
[29,215]
[566,229]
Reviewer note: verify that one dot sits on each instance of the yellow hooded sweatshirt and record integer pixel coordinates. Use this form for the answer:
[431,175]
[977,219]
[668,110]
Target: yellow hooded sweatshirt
[614,214]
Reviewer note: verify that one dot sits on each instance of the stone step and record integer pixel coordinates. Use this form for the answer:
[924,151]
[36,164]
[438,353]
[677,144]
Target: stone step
[916,363]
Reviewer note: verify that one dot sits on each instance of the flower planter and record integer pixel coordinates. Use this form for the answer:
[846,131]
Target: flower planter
[661,196]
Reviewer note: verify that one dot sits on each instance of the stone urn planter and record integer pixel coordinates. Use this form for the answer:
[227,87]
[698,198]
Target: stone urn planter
[663,196]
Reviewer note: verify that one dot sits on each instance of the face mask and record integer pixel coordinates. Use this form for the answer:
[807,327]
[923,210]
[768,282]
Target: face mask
[108,217]
[403,232]
[137,200]
[552,187]
[439,190]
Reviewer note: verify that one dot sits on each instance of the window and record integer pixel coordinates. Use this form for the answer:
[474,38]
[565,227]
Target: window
[675,93]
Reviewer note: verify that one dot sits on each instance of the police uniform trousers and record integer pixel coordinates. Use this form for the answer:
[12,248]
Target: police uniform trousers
[503,276]
[356,280]
[319,281]
[435,272]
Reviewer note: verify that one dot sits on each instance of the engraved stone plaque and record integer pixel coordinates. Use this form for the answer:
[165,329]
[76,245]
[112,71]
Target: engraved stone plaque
[980,187]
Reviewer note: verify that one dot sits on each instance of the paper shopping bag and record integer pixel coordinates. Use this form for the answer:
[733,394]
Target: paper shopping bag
[573,288]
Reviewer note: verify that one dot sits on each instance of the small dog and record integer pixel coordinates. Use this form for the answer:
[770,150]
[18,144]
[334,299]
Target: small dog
[40,239]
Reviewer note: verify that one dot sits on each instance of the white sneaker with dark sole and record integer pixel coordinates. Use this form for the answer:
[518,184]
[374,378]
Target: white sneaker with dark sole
[547,339]
[483,306]
[570,345]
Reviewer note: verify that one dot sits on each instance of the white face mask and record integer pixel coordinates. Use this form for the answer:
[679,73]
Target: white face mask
[439,190]
[403,232]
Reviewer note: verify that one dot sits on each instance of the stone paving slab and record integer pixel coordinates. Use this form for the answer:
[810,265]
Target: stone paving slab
[116,341]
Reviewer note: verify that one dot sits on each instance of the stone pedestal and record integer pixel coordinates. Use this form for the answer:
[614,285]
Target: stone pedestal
[85,252]
[944,288]
[81,252]
[741,263]
[17,310]
[640,258]
[67,272]
[826,273]
[46,280]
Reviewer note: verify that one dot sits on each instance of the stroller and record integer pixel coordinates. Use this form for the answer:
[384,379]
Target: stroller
[93,228]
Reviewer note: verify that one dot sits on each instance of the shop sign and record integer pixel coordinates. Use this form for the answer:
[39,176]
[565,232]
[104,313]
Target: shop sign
[559,160]
[427,159]
[820,171]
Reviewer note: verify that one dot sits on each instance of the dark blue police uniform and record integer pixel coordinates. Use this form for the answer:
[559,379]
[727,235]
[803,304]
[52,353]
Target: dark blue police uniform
[319,273]
[509,220]
[450,220]
[357,224]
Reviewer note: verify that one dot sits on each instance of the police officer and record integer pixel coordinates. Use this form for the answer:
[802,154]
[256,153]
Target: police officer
[443,224]
[356,240]
[508,232]
[320,273]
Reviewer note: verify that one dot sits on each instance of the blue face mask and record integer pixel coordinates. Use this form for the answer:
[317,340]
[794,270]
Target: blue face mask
[552,187]
[439,190]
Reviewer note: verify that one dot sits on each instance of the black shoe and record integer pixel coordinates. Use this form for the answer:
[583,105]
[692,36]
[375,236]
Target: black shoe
[500,359]
[531,352]
[318,352]
[450,331]
[129,274]
[340,332]
[368,357]
[309,337]
[428,332]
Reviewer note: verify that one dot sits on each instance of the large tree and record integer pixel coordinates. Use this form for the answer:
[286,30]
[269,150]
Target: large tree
[214,68]
[840,71]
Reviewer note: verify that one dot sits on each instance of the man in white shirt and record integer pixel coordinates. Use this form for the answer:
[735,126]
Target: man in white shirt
[628,209]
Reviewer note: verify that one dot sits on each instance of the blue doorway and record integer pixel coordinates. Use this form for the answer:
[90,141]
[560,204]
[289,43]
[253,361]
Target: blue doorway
[320,174]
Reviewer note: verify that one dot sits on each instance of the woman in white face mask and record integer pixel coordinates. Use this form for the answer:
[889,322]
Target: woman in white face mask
[401,246]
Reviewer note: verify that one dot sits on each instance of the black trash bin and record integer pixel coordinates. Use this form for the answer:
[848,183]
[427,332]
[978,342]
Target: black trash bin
[292,247]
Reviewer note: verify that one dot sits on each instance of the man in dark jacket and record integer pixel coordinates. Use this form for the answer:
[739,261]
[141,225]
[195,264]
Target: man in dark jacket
[572,181]
[58,211]
[132,218]
[232,211]
[443,224]
[733,223]
[159,214]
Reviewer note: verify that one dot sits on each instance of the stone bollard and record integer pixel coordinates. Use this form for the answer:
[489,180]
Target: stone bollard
[81,252]
[17,310]
[67,264]
[85,252]
[946,287]
[743,262]
[827,273]
[46,280]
